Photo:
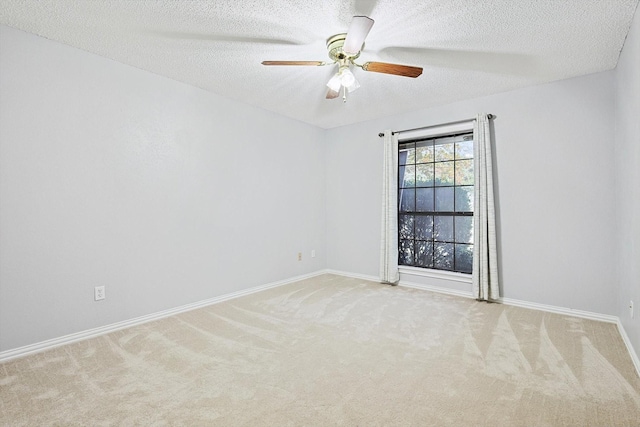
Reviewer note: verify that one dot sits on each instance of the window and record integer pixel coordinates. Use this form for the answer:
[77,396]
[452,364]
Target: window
[435,202]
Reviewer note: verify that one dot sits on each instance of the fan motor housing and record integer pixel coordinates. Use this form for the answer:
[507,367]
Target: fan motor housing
[334,46]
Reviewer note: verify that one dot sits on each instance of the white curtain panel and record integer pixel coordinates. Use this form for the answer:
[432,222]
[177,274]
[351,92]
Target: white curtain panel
[485,254]
[389,243]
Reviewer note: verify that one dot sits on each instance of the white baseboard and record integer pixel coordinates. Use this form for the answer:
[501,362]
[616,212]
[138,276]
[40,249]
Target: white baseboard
[91,333]
[561,310]
[354,275]
[627,342]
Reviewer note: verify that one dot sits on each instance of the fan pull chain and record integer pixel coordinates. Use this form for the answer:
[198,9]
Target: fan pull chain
[344,95]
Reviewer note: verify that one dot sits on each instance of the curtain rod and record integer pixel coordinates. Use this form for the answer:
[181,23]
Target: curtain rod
[381,134]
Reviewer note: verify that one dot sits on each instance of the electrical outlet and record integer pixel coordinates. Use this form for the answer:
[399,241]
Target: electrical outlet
[299,256]
[98,293]
[631,308]
[313,253]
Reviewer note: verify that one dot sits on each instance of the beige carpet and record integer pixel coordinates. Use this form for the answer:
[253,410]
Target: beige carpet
[334,351]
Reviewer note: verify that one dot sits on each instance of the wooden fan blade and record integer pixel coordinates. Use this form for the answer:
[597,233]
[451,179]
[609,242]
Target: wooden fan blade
[396,69]
[332,94]
[517,64]
[293,63]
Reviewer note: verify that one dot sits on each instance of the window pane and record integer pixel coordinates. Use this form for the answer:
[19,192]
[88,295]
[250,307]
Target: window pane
[424,254]
[436,183]
[444,173]
[424,227]
[402,157]
[444,199]
[407,154]
[406,200]
[464,199]
[464,229]
[405,226]
[424,199]
[464,150]
[464,172]
[464,258]
[424,151]
[447,140]
[443,256]
[444,149]
[424,175]
[407,176]
[443,228]
[405,253]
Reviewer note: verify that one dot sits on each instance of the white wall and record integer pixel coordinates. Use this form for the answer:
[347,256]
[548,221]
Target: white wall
[163,192]
[627,175]
[554,174]
[168,194]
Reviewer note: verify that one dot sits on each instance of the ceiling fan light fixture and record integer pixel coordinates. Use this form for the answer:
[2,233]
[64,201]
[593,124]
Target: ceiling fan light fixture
[343,78]
[347,78]
[335,83]
[353,86]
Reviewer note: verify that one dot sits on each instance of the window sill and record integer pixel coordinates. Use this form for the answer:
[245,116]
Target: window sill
[436,274]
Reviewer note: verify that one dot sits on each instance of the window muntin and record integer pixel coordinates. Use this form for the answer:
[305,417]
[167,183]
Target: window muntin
[435,202]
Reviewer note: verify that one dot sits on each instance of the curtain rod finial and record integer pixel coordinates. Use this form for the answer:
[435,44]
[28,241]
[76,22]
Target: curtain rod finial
[381,134]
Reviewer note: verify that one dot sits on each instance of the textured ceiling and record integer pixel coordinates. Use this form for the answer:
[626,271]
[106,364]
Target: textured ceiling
[468,48]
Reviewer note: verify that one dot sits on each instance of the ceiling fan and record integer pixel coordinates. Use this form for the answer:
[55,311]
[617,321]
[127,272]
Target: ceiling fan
[344,49]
